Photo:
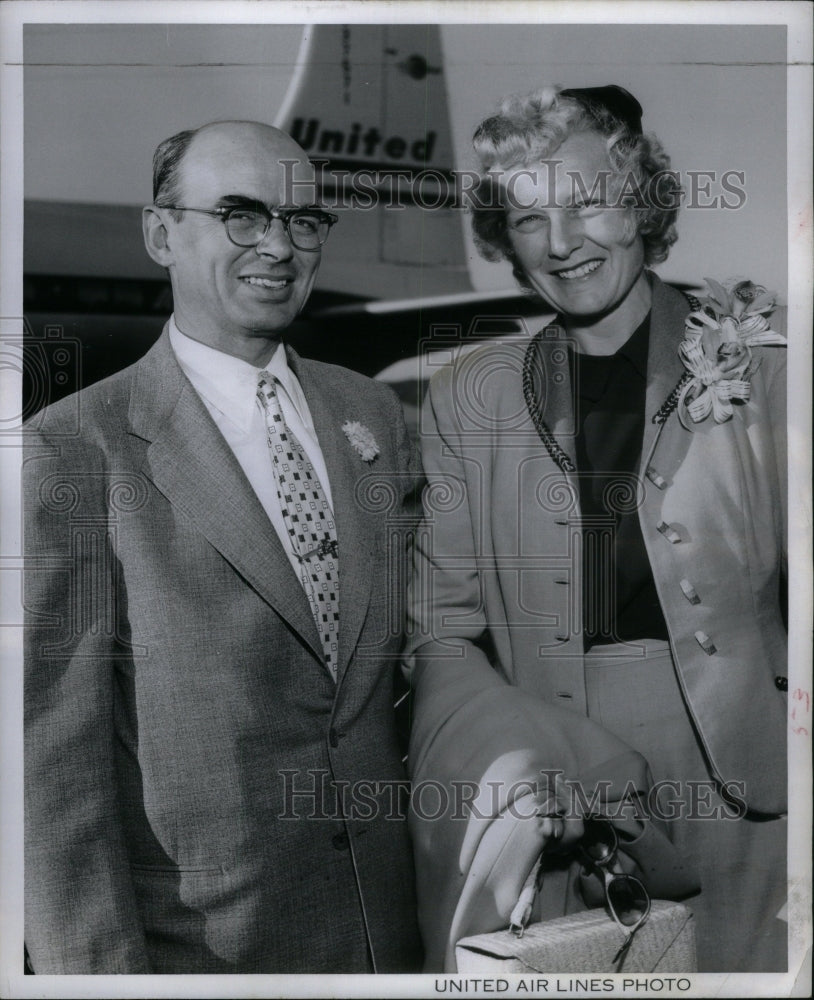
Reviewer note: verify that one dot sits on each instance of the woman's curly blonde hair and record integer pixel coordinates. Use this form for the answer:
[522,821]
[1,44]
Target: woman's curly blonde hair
[529,128]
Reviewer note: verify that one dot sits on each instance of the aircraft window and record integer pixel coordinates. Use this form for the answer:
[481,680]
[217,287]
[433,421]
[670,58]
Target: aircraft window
[89,295]
[92,294]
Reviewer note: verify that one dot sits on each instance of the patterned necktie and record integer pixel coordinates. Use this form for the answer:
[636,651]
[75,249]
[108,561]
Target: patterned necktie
[308,519]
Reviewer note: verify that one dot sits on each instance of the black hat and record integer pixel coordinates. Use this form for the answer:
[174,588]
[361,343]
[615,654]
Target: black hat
[618,101]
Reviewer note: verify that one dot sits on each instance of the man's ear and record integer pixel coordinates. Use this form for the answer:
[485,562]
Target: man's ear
[156,237]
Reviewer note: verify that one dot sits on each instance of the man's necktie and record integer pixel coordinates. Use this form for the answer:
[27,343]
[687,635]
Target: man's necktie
[308,519]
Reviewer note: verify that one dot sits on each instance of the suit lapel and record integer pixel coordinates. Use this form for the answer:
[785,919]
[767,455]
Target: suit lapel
[330,409]
[191,464]
[664,366]
[551,378]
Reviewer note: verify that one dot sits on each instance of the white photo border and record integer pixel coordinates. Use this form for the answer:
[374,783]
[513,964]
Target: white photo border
[798,19]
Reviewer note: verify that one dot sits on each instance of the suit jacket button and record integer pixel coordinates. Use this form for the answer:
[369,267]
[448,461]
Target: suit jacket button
[669,532]
[781,683]
[340,841]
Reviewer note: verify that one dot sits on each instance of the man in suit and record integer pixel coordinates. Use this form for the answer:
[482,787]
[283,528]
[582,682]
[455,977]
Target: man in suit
[212,771]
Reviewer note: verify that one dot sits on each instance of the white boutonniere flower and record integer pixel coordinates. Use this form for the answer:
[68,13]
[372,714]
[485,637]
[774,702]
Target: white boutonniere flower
[717,349]
[361,440]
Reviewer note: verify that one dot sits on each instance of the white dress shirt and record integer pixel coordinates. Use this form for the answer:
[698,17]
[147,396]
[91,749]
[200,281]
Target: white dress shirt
[228,388]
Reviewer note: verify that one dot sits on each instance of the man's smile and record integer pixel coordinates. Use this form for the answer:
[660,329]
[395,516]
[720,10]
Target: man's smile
[264,282]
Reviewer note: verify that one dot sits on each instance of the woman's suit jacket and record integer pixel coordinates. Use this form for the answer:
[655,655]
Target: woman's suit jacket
[498,562]
[182,730]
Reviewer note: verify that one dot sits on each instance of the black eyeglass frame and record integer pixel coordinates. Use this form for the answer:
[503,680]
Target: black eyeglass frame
[601,867]
[285,215]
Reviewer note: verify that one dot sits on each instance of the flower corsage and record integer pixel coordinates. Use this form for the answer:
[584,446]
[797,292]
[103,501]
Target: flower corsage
[717,349]
[361,440]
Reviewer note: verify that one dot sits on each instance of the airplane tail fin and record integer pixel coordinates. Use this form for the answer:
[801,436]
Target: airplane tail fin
[370,95]
[369,102]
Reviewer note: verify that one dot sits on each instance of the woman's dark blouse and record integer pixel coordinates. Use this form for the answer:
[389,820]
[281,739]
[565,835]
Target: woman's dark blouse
[620,602]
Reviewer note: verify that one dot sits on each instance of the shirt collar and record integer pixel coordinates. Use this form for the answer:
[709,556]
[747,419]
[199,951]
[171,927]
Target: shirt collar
[635,348]
[229,383]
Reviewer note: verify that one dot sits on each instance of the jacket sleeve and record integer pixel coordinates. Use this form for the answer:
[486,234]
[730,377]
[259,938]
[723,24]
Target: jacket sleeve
[80,907]
[776,391]
[446,622]
[408,459]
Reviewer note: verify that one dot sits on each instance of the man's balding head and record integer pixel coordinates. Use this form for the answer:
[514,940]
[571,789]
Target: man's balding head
[170,153]
[236,298]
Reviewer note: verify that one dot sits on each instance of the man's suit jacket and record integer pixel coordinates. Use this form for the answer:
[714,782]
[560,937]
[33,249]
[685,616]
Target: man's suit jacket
[182,729]
[498,572]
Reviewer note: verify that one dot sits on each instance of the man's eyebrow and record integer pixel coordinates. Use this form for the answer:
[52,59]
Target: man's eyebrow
[246,201]
[241,200]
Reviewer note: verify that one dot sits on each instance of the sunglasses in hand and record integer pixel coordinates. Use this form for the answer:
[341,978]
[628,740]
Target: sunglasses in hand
[627,899]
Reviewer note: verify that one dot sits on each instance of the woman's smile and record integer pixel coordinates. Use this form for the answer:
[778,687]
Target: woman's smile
[579,271]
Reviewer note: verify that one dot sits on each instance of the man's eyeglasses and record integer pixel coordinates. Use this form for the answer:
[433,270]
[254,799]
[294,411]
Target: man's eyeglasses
[307,228]
[627,899]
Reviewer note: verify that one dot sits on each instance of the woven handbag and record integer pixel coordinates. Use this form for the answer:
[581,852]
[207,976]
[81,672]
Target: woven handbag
[585,942]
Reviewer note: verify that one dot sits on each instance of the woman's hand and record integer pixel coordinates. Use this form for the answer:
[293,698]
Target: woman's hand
[559,826]
[560,832]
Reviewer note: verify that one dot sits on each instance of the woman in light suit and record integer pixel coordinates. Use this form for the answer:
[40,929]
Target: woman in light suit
[605,521]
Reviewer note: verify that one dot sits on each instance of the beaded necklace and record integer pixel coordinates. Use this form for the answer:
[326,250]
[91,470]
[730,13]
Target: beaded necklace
[544,431]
